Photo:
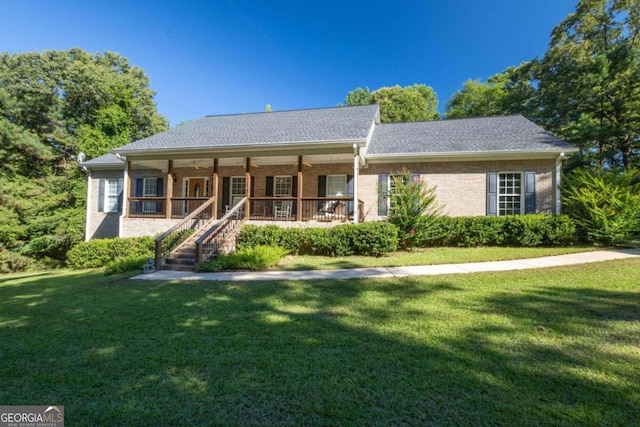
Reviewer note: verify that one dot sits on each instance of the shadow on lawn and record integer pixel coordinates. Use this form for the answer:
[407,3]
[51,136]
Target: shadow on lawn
[333,352]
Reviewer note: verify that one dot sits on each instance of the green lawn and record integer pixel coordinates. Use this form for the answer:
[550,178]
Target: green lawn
[541,347]
[429,256]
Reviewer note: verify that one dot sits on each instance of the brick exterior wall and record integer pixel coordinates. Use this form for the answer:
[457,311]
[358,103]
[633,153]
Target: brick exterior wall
[461,187]
[101,224]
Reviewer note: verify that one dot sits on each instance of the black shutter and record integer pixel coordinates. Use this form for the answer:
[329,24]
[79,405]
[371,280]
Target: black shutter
[252,187]
[139,187]
[529,192]
[383,194]
[322,189]
[101,195]
[159,188]
[269,187]
[226,191]
[492,193]
[322,186]
[120,194]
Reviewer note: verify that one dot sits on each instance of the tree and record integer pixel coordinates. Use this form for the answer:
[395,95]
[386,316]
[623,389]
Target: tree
[413,208]
[53,105]
[509,92]
[589,81]
[399,104]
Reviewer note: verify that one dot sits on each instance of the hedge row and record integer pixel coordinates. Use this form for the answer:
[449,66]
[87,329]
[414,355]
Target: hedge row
[517,230]
[369,238]
[100,252]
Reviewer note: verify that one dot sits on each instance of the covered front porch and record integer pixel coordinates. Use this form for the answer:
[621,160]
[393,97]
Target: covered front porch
[292,188]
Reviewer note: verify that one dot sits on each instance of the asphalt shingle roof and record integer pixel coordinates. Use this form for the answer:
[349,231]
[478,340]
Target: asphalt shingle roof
[296,126]
[106,160]
[477,135]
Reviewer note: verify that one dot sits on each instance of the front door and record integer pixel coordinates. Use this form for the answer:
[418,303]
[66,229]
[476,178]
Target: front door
[195,188]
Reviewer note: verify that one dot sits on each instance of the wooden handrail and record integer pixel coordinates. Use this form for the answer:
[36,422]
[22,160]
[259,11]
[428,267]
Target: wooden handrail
[233,212]
[187,218]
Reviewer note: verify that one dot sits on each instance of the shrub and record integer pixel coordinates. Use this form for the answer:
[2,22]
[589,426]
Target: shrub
[518,230]
[605,205]
[413,208]
[124,265]
[99,252]
[11,262]
[256,258]
[371,238]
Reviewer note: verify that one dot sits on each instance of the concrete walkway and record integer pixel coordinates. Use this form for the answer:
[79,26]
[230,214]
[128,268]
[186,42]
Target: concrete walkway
[420,270]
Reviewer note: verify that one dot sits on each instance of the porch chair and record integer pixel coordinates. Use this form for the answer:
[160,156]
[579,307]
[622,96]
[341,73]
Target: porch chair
[234,202]
[282,210]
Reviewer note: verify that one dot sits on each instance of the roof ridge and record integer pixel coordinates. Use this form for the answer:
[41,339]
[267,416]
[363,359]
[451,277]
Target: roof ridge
[457,119]
[289,111]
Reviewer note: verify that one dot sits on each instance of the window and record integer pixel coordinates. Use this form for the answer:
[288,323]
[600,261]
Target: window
[336,185]
[283,186]
[238,187]
[112,194]
[149,189]
[509,194]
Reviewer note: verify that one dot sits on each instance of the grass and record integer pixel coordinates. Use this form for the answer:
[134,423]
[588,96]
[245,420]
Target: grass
[431,256]
[556,346]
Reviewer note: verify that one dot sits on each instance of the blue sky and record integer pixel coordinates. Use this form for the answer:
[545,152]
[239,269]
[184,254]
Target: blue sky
[222,57]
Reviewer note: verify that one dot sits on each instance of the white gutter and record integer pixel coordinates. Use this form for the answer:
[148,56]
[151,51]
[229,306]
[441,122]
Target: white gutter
[125,203]
[263,146]
[461,155]
[356,172]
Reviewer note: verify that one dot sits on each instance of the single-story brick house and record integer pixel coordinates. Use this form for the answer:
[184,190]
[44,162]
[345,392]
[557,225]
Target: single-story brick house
[321,166]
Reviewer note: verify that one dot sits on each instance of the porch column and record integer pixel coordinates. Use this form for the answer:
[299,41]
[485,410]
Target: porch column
[356,172]
[214,188]
[299,201]
[247,187]
[127,190]
[169,189]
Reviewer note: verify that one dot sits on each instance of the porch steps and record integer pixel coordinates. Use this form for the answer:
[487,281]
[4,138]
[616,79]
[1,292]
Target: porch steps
[183,258]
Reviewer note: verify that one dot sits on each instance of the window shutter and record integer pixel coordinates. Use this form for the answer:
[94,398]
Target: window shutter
[139,187]
[120,194]
[159,188]
[383,193]
[159,193]
[492,193]
[101,195]
[350,183]
[226,190]
[269,187]
[529,192]
[322,186]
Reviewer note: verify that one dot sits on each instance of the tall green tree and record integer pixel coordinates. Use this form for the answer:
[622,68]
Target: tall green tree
[399,104]
[54,105]
[589,81]
[509,92]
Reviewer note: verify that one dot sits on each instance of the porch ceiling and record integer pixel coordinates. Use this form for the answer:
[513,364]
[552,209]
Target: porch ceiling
[200,163]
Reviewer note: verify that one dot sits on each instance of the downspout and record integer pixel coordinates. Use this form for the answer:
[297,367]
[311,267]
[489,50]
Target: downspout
[87,223]
[558,181]
[356,171]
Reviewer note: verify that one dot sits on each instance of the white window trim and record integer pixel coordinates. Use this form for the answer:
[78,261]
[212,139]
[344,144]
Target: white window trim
[345,185]
[275,186]
[522,200]
[149,207]
[107,195]
[231,193]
